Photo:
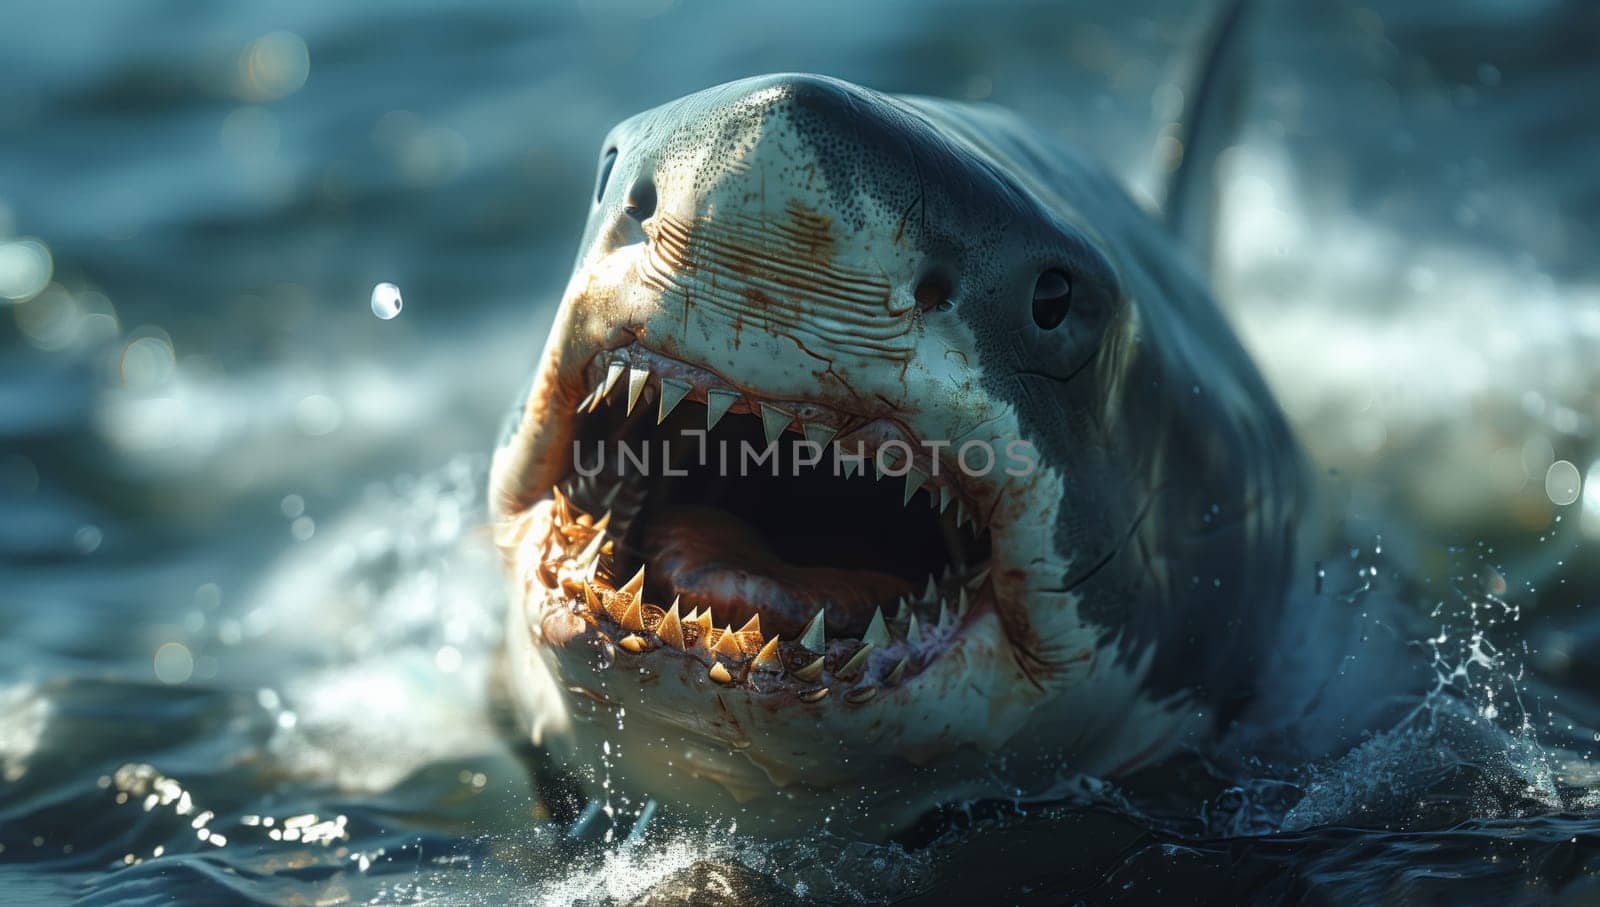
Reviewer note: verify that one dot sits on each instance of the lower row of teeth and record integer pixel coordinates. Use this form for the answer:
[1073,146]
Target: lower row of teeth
[889,648]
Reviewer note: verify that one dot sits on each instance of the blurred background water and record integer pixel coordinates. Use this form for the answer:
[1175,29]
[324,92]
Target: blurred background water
[247,608]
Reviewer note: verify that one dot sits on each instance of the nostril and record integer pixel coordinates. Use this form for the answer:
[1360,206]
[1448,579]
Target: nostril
[932,292]
[641,200]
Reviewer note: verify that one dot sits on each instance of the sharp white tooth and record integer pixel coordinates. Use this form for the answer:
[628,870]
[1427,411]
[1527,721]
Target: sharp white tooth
[813,637]
[749,636]
[899,670]
[962,604]
[704,620]
[810,672]
[634,586]
[633,618]
[850,466]
[672,393]
[931,593]
[728,643]
[978,578]
[900,607]
[877,631]
[914,480]
[767,659]
[944,612]
[670,630]
[603,522]
[692,616]
[613,375]
[945,576]
[819,434]
[586,403]
[717,403]
[816,695]
[944,498]
[610,497]
[637,379]
[590,551]
[914,632]
[961,513]
[774,421]
[857,661]
[719,673]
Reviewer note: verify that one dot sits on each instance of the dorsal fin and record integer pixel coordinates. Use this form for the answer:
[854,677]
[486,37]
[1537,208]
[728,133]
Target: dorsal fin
[1212,113]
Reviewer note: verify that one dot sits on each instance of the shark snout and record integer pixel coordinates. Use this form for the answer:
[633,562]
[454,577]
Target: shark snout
[774,259]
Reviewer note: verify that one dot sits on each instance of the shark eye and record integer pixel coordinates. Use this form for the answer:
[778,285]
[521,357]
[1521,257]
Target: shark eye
[606,164]
[1052,296]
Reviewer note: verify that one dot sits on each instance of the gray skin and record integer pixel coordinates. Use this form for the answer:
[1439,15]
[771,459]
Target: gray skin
[1138,575]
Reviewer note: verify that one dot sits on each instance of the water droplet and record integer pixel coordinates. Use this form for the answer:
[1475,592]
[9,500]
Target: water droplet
[1562,483]
[447,659]
[87,539]
[25,269]
[273,66]
[386,301]
[147,363]
[173,663]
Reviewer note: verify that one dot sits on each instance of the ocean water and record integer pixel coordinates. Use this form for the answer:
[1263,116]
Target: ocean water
[248,609]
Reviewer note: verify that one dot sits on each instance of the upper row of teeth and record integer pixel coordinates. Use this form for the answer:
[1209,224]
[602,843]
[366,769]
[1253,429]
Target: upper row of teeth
[774,422]
[577,575]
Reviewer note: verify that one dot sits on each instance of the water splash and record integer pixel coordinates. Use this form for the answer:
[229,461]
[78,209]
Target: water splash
[1469,749]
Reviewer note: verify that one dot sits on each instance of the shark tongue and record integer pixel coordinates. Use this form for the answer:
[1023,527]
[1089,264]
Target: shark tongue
[714,559]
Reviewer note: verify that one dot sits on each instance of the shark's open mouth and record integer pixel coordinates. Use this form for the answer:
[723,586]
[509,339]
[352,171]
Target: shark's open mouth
[787,546]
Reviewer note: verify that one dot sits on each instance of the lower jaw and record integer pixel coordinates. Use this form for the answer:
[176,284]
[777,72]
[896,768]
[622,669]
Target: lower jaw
[814,722]
[641,728]
[564,557]
[637,733]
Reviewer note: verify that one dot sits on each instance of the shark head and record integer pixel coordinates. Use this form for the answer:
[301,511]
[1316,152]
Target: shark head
[857,456]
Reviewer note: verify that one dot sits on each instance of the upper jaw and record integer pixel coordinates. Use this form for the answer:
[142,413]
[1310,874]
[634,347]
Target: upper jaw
[635,375]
